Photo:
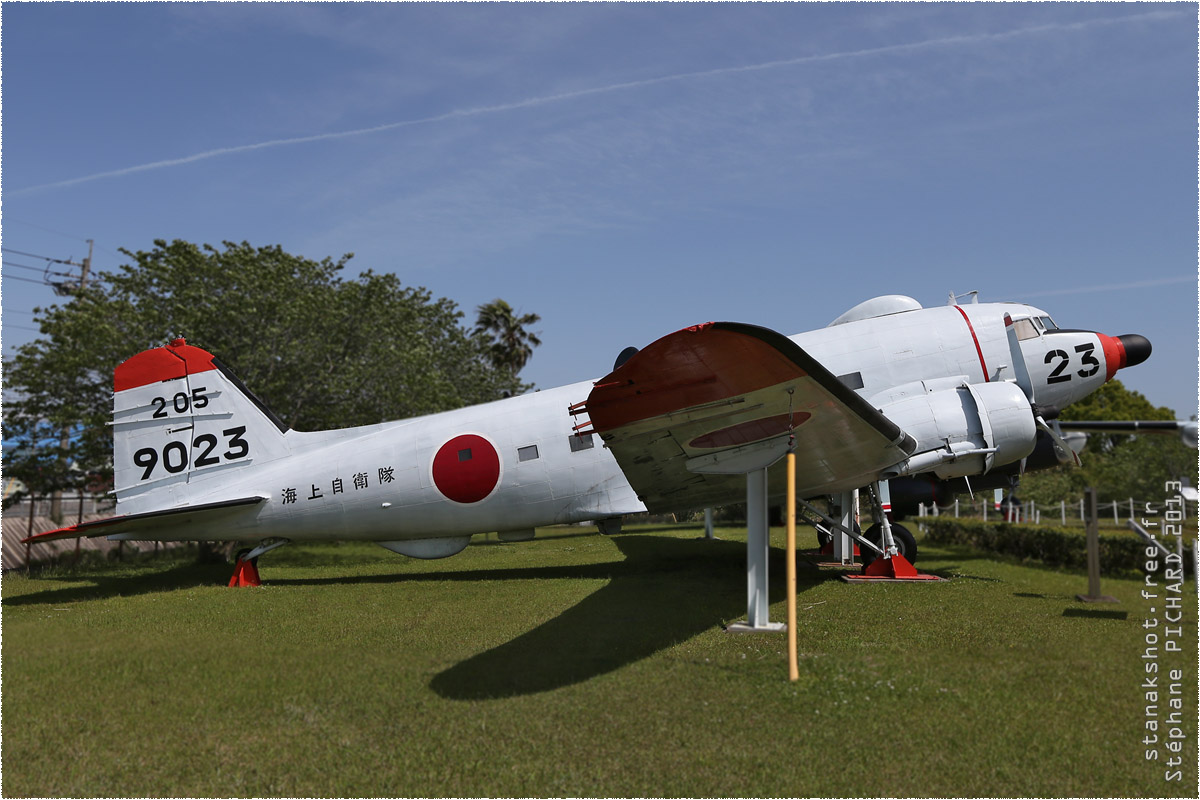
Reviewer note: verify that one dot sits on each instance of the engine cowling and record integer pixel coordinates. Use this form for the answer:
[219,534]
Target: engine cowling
[965,430]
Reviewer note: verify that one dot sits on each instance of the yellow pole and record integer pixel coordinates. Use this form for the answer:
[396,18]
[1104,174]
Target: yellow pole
[793,666]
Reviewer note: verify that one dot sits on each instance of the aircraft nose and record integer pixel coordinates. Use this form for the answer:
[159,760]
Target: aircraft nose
[1137,348]
[1124,351]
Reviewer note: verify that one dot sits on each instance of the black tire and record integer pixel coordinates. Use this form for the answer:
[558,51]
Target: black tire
[906,543]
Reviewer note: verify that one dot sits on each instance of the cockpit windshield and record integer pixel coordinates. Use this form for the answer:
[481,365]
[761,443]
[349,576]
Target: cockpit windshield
[1025,329]
[1048,323]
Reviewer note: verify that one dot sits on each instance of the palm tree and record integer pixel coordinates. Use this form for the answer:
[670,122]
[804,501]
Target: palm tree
[512,344]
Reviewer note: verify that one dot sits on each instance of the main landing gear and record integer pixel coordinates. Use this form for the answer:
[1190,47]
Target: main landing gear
[886,556]
[245,571]
[887,549]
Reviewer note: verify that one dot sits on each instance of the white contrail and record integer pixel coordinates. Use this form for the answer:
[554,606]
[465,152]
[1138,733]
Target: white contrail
[1113,287]
[616,87]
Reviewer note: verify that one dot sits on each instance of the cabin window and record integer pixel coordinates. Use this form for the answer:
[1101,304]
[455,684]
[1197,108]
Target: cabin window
[527,453]
[1025,329]
[581,442]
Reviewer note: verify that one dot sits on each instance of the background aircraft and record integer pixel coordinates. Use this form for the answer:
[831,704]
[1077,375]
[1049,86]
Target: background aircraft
[888,392]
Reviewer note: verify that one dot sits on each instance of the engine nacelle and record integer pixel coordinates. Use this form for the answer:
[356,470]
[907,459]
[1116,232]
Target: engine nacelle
[965,430]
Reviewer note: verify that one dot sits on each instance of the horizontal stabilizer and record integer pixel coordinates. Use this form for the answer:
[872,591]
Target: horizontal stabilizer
[134,522]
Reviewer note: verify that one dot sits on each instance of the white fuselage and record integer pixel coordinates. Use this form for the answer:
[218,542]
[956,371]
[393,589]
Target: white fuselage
[518,463]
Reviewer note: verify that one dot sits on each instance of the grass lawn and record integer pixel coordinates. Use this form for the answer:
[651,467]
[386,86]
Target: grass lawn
[576,664]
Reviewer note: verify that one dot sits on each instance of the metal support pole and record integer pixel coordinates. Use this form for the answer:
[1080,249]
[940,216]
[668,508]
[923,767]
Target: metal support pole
[843,545]
[708,524]
[1116,519]
[758,544]
[793,659]
[1093,544]
[956,508]
[1063,505]
[1093,551]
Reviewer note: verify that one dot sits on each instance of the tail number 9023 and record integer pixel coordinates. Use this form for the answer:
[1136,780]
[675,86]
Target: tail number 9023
[175,456]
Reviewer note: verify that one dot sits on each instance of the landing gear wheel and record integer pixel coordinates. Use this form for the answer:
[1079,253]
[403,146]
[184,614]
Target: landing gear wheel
[906,544]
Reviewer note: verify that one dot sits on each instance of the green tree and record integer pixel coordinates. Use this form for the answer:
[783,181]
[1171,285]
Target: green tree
[320,350]
[1119,466]
[511,344]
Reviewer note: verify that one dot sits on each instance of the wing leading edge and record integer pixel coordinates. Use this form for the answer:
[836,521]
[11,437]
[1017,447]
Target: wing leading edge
[690,413]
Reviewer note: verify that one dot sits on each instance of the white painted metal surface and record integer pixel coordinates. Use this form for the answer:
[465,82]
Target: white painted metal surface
[198,457]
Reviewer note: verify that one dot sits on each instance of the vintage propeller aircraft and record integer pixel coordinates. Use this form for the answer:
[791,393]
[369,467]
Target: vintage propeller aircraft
[889,394]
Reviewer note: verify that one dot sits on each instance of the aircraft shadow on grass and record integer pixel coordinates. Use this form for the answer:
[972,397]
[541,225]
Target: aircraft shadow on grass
[184,576]
[665,591]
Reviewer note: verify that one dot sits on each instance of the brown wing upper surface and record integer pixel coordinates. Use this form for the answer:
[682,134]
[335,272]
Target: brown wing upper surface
[690,413]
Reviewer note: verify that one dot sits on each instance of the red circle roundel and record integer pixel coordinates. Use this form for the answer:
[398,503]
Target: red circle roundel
[466,469]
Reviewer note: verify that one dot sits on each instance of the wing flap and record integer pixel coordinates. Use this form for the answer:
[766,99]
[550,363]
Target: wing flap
[133,523]
[689,414]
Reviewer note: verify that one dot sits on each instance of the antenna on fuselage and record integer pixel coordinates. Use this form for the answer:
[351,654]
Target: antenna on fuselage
[974,295]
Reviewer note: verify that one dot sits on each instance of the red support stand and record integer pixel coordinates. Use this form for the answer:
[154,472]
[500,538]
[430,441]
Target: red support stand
[245,574]
[896,568]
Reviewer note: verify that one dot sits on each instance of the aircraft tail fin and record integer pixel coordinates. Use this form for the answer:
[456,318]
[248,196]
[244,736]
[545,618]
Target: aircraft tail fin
[179,415]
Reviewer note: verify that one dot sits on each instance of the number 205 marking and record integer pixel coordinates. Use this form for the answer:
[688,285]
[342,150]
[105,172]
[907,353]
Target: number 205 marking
[175,454]
[1088,359]
[181,403]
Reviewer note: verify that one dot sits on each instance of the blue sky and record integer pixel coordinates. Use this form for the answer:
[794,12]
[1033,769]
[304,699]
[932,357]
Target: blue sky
[627,170]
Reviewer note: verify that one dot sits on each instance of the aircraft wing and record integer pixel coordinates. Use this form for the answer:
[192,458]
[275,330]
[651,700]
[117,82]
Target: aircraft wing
[135,523]
[691,413]
[1184,429]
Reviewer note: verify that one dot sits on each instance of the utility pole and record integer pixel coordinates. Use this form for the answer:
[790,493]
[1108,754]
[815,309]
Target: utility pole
[64,442]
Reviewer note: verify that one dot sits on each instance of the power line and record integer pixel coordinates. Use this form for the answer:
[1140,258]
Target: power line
[24,266]
[43,270]
[23,253]
[23,327]
[27,280]
[43,258]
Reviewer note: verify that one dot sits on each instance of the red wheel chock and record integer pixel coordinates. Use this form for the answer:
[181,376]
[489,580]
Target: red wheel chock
[896,568]
[245,574]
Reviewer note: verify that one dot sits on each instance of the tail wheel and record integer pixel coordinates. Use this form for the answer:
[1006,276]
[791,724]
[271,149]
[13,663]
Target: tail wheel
[241,554]
[906,543]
